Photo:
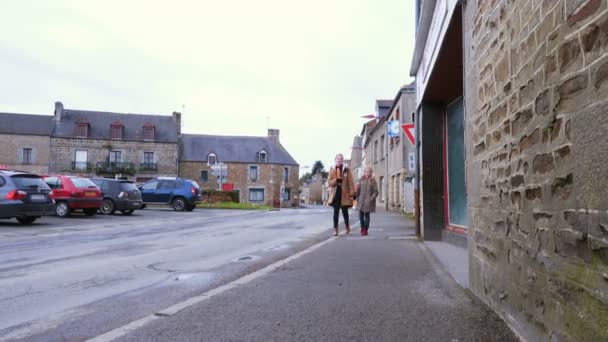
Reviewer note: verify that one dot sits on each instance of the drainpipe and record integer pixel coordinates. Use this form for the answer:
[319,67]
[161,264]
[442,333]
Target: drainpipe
[418,128]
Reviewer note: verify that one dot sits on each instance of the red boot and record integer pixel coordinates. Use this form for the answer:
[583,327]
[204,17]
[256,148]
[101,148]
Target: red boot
[365,231]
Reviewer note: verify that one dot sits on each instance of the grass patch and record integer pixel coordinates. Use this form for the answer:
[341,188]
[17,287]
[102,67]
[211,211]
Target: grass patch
[232,205]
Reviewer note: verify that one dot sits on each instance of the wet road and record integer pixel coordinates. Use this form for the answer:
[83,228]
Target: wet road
[71,279]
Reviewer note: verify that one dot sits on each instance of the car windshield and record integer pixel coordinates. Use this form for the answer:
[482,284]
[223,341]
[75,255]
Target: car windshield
[29,182]
[82,182]
[127,186]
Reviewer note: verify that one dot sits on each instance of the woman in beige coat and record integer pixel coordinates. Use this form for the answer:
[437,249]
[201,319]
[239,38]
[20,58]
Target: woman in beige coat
[342,192]
[366,199]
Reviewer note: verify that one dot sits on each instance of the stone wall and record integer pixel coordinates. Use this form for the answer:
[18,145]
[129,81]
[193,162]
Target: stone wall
[270,177]
[11,153]
[537,136]
[63,153]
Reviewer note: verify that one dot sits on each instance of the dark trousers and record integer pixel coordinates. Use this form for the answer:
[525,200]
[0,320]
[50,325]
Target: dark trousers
[364,219]
[337,214]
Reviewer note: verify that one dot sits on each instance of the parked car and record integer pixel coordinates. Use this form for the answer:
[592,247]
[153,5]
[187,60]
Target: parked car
[118,195]
[24,196]
[180,193]
[74,193]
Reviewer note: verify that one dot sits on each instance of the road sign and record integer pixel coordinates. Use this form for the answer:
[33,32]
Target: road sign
[411,161]
[409,130]
[393,129]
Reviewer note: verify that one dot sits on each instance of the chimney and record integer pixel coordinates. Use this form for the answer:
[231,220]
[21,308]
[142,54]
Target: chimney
[177,116]
[58,111]
[274,135]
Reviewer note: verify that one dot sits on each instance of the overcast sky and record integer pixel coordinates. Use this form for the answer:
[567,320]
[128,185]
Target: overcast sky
[308,68]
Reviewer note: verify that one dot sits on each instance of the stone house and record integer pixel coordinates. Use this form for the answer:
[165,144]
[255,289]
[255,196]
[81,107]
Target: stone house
[356,157]
[25,142]
[375,150]
[136,146]
[259,168]
[513,117]
[400,192]
[312,190]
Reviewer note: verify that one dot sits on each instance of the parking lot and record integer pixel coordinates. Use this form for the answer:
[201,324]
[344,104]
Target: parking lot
[73,269]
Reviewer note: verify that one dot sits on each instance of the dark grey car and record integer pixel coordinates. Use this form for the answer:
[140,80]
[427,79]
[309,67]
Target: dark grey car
[24,196]
[118,195]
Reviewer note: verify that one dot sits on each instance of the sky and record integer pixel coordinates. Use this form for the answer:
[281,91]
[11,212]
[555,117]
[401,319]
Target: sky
[308,68]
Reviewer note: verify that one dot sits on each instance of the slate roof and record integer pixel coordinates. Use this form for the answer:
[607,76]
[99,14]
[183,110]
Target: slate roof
[99,122]
[26,124]
[235,149]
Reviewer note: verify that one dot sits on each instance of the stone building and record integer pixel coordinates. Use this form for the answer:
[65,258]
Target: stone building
[25,142]
[375,150]
[259,168]
[514,95]
[312,190]
[400,189]
[136,146]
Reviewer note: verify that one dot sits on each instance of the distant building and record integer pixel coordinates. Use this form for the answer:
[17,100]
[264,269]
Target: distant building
[25,142]
[93,143]
[259,168]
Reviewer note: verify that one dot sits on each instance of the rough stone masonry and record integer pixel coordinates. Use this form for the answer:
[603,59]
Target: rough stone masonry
[537,122]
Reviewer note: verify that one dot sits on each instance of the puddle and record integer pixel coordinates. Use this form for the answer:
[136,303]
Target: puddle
[246,258]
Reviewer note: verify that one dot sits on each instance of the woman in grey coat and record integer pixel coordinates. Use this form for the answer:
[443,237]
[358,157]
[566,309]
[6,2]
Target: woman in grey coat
[366,199]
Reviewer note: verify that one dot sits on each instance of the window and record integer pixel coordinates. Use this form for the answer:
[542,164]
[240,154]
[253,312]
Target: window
[204,175]
[381,188]
[211,159]
[2,181]
[455,173]
[286,174]
[53,182]
[150,186]
[256,195]
[253,173]
[376,151]
[413,117]
[115,156]
[82,129]
[262,157]
[149,132]
[81,160]
[148,158]
[287,194]
[27,156]
[382,147]
[116,130]
[398,115]
[167,184]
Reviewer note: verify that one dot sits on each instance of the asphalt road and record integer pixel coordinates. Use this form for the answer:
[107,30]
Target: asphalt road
[75,278]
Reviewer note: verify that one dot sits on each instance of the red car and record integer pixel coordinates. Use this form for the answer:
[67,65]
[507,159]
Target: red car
[74,193]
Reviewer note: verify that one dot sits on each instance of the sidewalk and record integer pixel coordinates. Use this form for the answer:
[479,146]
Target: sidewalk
[383,287]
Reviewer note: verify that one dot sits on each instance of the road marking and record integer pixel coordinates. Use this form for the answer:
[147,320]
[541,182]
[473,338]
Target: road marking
[170,311]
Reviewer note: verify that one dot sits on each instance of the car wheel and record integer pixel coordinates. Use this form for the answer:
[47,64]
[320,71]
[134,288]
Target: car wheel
[178,204]
[90,212]
[127,212]
[62,209]
[107,207]
[27,219]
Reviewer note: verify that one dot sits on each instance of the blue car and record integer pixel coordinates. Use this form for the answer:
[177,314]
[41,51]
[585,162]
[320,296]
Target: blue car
[179,193]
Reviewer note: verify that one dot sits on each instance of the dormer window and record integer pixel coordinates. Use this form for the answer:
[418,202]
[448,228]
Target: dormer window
[211,159]
[149,132]
[82,129]
[262,156]
[116,130]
